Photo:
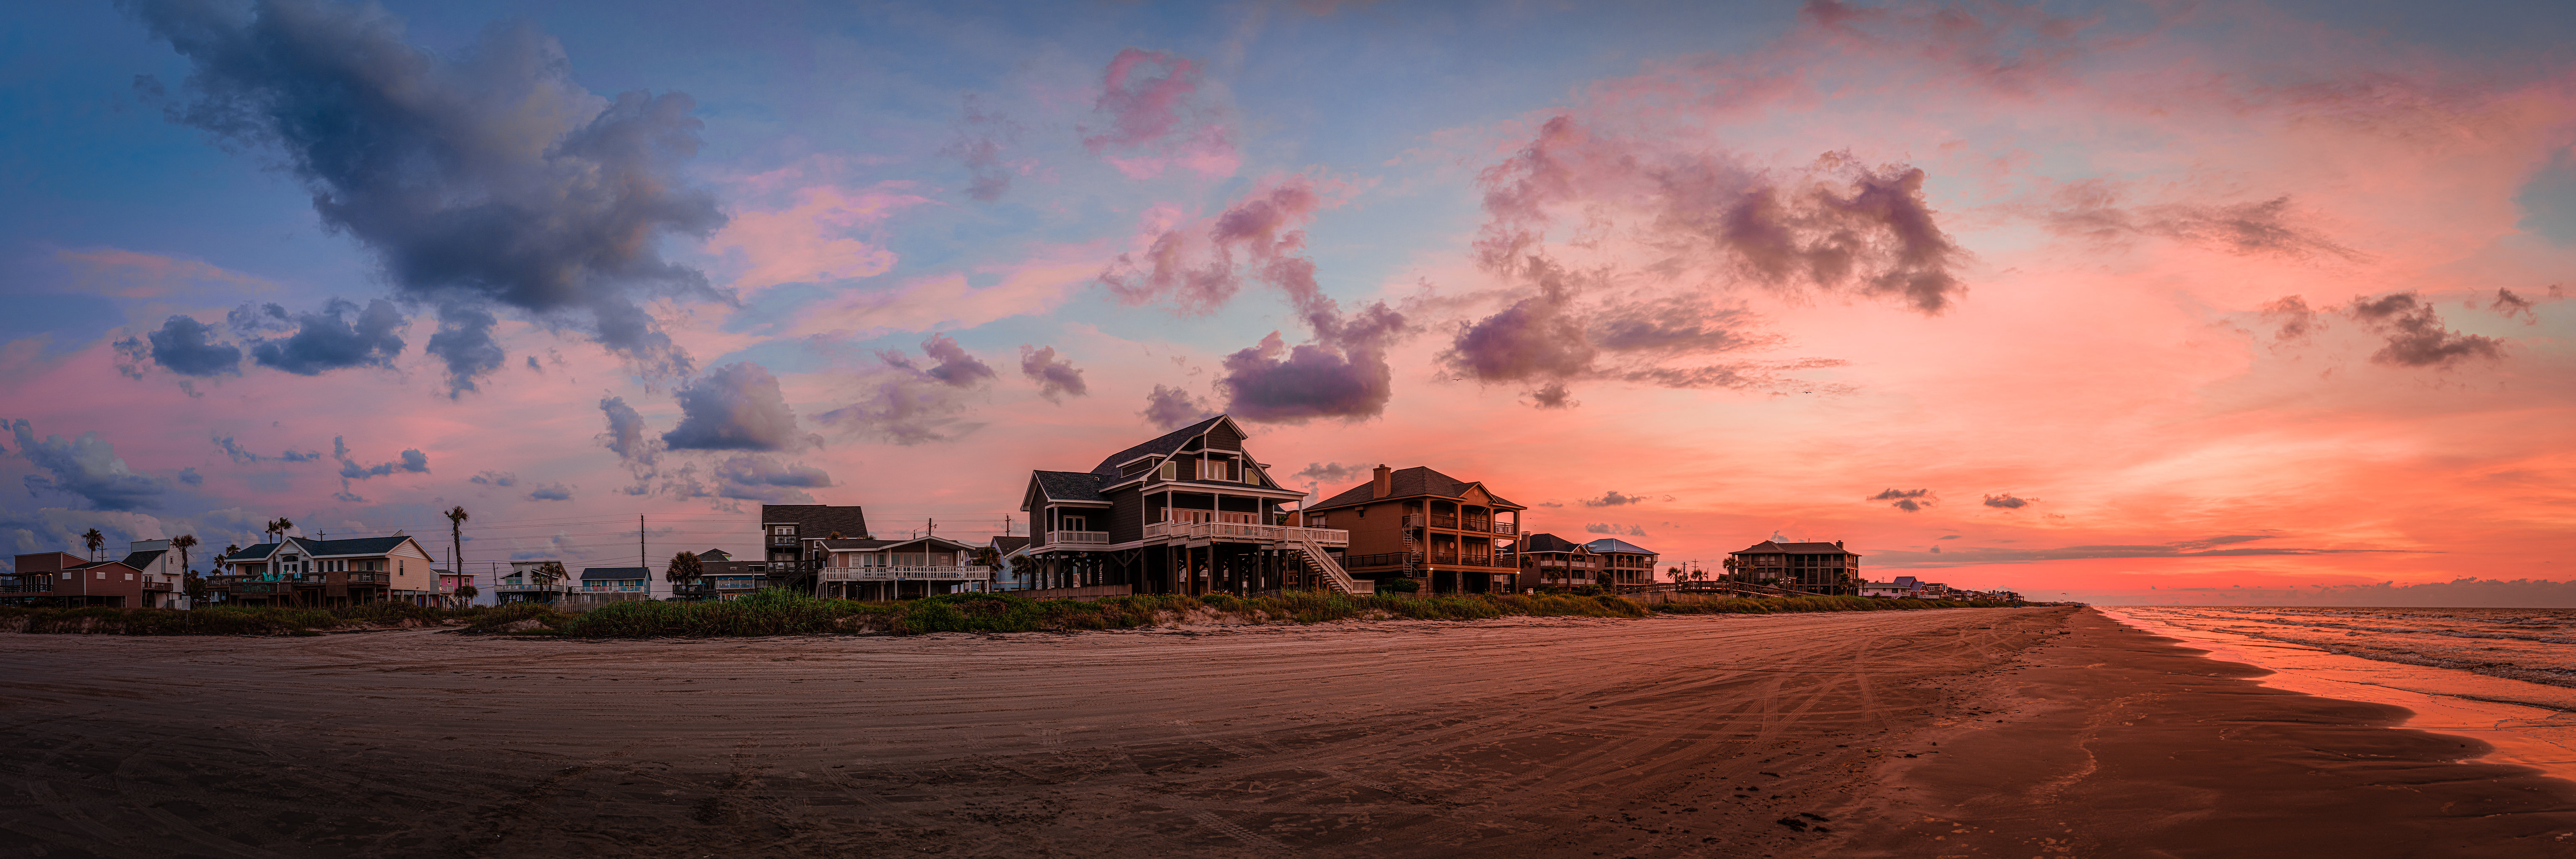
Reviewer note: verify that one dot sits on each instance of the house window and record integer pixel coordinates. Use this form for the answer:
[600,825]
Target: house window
[1320,522]
[1072,523]
[1170,468]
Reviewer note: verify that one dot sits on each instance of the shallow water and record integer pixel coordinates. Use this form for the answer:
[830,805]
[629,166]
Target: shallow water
[2506,677]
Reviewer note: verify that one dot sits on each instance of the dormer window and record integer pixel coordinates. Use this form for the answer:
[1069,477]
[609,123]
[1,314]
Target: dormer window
[1171,469]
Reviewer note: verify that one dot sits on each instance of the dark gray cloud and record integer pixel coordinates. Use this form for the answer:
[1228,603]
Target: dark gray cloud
[982,134]
[1619,530]
[411,462]
[190,476]
[87,467]
[243,455]
[899,402]
[1056,377]
[187,347]
[1332,472]
[1908,500]
[2511,305]
[329,339]
[2415,334]
[464,341]
[2293,319]
[551,492]
[1173,408]
[2266,227]
[1839,225]
[479,177]
[632,441]
[758,478]
[2006,501]
[2224,546]
[957,368]
[737,407]
[495,478]
[1554,337]
[1613,498]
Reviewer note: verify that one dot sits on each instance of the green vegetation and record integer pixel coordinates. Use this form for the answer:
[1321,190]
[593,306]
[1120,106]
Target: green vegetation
[779,612]
[221,620]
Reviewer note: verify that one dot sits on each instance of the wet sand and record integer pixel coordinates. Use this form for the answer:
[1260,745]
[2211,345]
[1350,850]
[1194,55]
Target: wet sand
[2117,742]
[1677,736]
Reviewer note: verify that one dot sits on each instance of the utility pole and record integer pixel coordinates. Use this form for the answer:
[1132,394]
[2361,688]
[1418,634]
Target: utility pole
[643,558]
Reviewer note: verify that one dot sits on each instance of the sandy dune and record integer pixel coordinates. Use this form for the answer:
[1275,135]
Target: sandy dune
[1532,737]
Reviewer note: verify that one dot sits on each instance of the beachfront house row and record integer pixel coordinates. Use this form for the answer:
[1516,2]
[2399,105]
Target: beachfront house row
[1625,566]
[148,576]
[894,569]
[1453,535]
[1192,511]
[301,571]
[1815,568]
[1550,561]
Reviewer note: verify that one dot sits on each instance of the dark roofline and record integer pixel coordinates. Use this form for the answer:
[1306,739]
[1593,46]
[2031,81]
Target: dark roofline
[1164,444]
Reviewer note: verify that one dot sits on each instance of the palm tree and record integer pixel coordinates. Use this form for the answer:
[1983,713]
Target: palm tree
[684,574]
[279,526]
[456,540]
[183,543]
[94,540]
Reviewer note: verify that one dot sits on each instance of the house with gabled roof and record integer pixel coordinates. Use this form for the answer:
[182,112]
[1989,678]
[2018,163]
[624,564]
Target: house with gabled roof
[791,535]
[301,571]
[1553,562]
[148,576]
[896,569]
[1191,511]
[1625,566]
[1451,535]
[1816,568]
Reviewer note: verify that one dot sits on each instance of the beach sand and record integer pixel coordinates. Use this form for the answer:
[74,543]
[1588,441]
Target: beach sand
[1783,735]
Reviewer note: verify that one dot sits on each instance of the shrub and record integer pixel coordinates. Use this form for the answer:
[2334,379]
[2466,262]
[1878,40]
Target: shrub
[1399,586]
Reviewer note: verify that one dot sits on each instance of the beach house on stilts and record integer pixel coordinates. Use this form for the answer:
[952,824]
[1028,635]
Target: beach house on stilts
[1190,512]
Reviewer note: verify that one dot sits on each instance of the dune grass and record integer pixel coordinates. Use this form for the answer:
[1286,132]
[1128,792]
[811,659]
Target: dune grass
[218,620]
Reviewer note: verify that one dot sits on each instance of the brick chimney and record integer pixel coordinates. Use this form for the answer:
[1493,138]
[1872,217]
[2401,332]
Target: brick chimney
[1384,482]
[1838,544]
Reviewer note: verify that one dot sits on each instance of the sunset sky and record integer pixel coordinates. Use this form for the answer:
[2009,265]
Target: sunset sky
[2097,299]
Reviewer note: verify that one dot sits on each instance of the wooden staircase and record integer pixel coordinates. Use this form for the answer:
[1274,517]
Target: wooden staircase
[1335,577]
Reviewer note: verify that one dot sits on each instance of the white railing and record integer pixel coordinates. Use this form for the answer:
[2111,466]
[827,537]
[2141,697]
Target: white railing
[1241,531]
[531,589]
[1077,538]
[1334,576]
[888,574]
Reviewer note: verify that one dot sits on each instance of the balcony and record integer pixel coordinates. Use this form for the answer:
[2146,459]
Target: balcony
[1246,531]
[788,541]
[255,588]
[368,578]
[27,589]
[922,573]
[1380,560]
[163,587]
[1077,538]
[1449,522]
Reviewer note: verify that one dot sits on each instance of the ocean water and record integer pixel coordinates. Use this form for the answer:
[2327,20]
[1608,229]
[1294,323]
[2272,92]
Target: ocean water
[2506,677]
[2530,645]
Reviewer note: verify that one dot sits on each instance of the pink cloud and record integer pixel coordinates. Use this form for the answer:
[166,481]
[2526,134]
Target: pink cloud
[814,238]
[1159,118]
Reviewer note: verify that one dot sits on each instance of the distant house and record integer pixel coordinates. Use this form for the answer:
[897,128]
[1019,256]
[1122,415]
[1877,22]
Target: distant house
[1550,561]
[1815,568]
[529,581]
[738,577]
[1422,524]
[449,581]
[1625,566]
[299,571]
[628,580]
[1011,563]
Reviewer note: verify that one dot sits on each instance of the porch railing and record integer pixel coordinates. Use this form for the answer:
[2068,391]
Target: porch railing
[1077,538]
[888,574]
[1246,531]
